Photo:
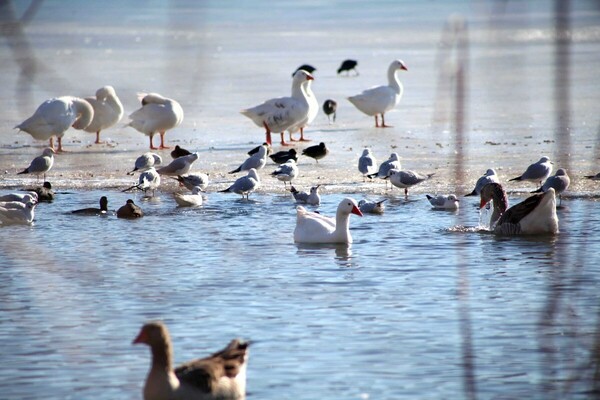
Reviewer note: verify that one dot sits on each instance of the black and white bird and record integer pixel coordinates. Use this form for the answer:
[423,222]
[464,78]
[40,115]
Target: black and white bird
[313,197]
[330,108]
[282,156]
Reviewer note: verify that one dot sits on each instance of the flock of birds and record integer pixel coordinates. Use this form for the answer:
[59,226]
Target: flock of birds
[223,374]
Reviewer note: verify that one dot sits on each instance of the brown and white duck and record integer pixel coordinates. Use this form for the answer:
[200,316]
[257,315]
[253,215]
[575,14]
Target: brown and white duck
[534,215]
[221,375]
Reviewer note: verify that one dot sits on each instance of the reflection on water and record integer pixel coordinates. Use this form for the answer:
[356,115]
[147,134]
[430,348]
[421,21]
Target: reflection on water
[75,290]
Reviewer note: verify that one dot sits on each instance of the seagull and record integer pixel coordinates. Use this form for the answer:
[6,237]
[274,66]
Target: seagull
[383,172]
[157,114]
[255,150]
[348,65]
[317,152]
[245,185]
[179,166]
[189,200]
[381,99]
[282,156]
[330,108]
[286,172]
[367,164]
[149,180]
[534,215]
[53,117]
[179,152]
[406,179]
[449,202]
[490,176]
[41,164]
[313,198]
[190,181]
[306,67]
[130,211]
[536,172]
[371,207]
[108,110]
[560,182]
[18,215]
[280,114]
[221,375]
[103,210]
[256,161]
[145,162]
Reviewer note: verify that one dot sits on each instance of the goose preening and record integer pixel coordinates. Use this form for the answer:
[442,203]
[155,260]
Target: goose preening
[53,117]
[220,376]
[313,197]
[92,210]
[330,109]
[17,213]
[381,99]
[560,182]
[245,185]
[372,207]
[284,155]
[286,172]
[407,179]
[108,110]
[312,227]
[534,215]
[490,176]
[317,152]
[367,165]
[280,114]
[145,162]
[442,202]
[257,161]
[536,172]
[158,114]
[179,166]
[130,211]
[41,164]
[347,66]
[190,181]
[189,200]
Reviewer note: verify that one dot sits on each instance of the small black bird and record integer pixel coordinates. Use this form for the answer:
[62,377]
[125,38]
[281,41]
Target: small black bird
[255,150]
[94,211]
[317,152]
[308,68]
[282,156]
[329,108]
[348,65]
[130,211]
[44,192]
[179,152]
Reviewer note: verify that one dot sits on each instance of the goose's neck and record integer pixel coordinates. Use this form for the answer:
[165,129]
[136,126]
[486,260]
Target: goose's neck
[299,92]
[394,82]
[500,206]
[342,224]
[115,103]
[162,357]
[85,113]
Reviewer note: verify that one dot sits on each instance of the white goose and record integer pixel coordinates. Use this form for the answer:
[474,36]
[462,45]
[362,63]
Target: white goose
[108,110]
[53,117]
[381,99]
[313,227]
[313,110]
[534,215]
[158,114]
[221,375]
[280,114]
[16,214]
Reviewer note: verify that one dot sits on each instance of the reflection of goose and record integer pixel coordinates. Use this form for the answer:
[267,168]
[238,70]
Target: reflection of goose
[312,227]
[219,376]
[534,215]
[381,99]
[108,110]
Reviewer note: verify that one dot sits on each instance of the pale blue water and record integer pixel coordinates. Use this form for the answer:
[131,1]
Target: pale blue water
[413,307]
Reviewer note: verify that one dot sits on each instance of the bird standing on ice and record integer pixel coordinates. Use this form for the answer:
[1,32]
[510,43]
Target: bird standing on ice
[108,110]
[381,99]
[283,113]
[157,114]
[53,117]
[536,172]
[41,164]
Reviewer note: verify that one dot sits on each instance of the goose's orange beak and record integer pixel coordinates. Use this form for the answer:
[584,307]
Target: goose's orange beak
[356,211]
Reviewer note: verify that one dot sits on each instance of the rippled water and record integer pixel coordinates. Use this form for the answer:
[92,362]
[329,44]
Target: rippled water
[387,318]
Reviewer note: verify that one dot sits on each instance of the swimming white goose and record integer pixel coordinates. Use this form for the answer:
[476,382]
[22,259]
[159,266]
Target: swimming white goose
[312,227]
[22,214]
[189,200]
[367,164]
[536,172]
[41,164]
[490,176]
[53,117]
[221,375]
[534,215]
[157,114]
[441,202]
[378,100]
[560,181]
[245,185]
[313,198]
[407,179]
[108,110]
[313,110]
[280,114]
[286,172]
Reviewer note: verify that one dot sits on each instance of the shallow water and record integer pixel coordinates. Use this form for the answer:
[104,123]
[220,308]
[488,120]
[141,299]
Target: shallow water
[383,318]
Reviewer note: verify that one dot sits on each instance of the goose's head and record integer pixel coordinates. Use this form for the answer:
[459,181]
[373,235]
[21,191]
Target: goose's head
[398,65]
[495,192]
[302,76]
[349,206]
[85,113]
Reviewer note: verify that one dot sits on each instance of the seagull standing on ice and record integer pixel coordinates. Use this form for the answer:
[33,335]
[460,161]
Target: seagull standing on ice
[245,185]
[490,176]
[367,164]
[179,166]
[41,164]
[256,160]
[286,172]
[536,172]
